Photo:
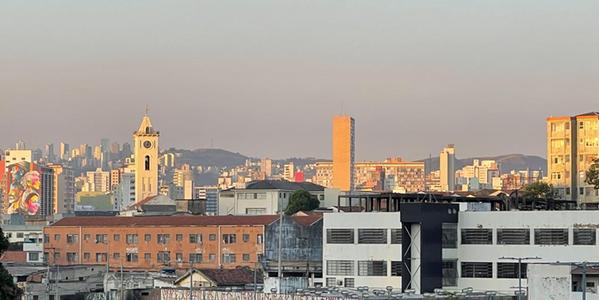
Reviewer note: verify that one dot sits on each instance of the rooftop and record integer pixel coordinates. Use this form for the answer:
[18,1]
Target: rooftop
[283,185]
[166,220]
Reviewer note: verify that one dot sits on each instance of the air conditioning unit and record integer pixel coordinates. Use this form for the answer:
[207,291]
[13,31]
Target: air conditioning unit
[339,282]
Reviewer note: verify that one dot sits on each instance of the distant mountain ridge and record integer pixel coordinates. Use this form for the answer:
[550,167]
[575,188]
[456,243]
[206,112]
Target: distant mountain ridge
[221,158]
[506,162]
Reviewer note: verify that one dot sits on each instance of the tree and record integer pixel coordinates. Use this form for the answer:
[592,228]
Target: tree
[8,290]
[301,200]
[592,174]
[538,190]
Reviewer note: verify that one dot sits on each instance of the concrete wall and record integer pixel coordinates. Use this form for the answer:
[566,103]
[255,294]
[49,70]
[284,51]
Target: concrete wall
[549,282]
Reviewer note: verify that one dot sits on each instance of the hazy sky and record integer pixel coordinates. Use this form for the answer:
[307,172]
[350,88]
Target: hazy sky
[264,78]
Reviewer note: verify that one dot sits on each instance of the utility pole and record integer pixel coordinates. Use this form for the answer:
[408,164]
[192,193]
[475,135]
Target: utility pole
[520,259]
[122,288]
[280,273]
[255,281]
[190,279]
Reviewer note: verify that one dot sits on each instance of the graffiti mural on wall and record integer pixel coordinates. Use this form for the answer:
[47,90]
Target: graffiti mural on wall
[177,294]
[23,189]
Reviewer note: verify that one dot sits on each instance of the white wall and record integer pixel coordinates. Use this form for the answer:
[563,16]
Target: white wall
[357,252]
[522,219]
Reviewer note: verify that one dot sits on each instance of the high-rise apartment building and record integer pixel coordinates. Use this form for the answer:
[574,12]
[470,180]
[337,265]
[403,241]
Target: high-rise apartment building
[145,150]
[289,171]
[63,194]
[266,168]
[572,145]
[98,181]
[447,168]
[65,151]
[343,153]
[49,152]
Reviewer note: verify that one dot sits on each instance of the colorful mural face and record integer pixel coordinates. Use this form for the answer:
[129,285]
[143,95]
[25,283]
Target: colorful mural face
[23,189]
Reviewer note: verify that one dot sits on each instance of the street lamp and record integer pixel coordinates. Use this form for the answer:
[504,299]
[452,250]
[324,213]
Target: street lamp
[519,259]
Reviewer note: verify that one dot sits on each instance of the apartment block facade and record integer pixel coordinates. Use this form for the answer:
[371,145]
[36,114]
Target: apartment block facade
[572,145]
[157,242]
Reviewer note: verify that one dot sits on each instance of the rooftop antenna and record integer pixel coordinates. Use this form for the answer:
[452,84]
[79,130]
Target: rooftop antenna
[147,109]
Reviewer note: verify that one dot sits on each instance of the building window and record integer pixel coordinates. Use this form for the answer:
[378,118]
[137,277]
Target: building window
[147,163]
[72,257]
[56,256]
[349,282]
[179,257]
[212,237]
[72,238]
[259,238]
[340,236]
[101,238]
[211,257]
[551,236]
[86,256]
[449,238]
[246,237]
[585,236]
[147,237]
[396,235]
[116,237]
[148,257]
[396,268]
[477,270]
[179,237]
[87,237]
[46,238]
[195,257]
[101,257]
[195,238]
[132,239]
[229,238]
[331,282]
[163,257]
[228,258]
[57,237]
[477,236]
[510,270]
[116,256]
[372,236]
[33,256]
[340,267]
[372,268]
[246,257]
[163,238]
[450,272]
[513,236]
[131,257]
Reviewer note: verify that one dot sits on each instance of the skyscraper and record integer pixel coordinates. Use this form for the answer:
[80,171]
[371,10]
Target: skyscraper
[145,150]
[572,145]
[50,152]
[343,153]
[447,168]
[64,151]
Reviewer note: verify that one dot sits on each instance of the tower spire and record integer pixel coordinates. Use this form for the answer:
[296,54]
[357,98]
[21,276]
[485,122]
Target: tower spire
[147,109]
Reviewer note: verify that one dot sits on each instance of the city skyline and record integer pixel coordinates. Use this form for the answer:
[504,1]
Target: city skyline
[240,76]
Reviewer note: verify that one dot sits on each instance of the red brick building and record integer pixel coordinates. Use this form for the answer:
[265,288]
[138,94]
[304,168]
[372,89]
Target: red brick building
[157,242]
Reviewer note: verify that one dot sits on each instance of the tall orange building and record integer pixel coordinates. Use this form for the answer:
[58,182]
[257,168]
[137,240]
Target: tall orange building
[343,153]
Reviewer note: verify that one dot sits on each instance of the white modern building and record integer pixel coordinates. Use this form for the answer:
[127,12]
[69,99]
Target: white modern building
[441,245]
[263,197]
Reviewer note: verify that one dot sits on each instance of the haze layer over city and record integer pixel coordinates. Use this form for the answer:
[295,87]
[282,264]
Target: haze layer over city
[299,150]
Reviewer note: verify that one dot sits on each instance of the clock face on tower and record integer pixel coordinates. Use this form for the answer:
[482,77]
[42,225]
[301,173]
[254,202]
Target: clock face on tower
[147,144]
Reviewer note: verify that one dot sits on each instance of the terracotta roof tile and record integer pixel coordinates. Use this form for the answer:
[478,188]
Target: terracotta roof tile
[165,220]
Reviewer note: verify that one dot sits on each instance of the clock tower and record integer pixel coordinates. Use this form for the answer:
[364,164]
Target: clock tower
[145,155]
